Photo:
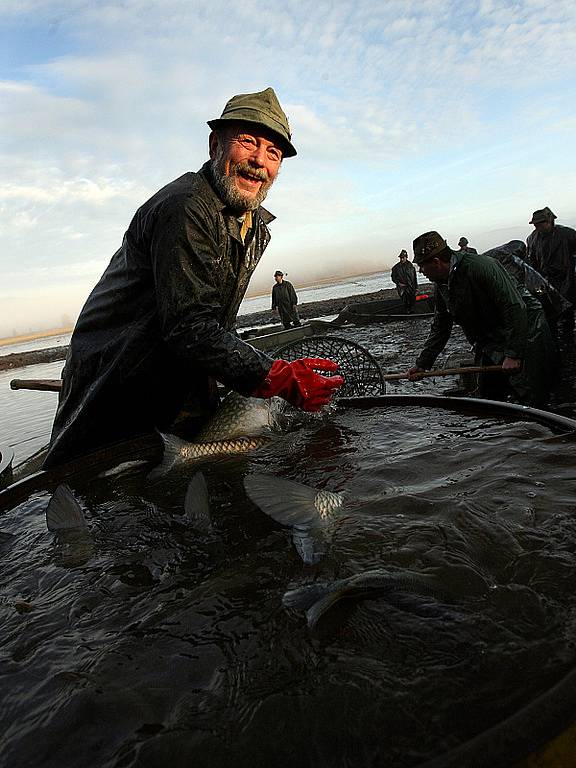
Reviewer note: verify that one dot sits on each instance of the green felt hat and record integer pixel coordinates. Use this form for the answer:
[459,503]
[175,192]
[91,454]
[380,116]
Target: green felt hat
[262,108]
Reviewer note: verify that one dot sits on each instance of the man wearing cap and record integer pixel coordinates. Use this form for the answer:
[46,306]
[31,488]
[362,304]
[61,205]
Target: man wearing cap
[157,331]
[499,317]
[551,249]
[464,247]
[284,301]
[404,277]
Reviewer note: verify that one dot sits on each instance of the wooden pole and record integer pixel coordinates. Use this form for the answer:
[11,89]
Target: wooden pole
[43,385]
[55,385]
[445,372]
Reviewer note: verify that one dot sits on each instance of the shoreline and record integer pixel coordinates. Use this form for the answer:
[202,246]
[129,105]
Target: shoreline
[309,311]
[319,283]
[323,281]
[35,336]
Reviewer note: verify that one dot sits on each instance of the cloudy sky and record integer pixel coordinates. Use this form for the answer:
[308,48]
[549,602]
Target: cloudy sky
[408,115]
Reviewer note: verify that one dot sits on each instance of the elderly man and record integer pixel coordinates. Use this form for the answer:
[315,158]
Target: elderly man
[404,277]
[551,250]
[157,331]
[499,317]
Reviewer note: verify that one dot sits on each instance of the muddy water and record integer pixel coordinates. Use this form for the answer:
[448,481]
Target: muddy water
[147,642]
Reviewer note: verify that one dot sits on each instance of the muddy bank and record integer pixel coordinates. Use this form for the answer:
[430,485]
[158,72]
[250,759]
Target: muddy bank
[313,309]
[316,309]
[22,359]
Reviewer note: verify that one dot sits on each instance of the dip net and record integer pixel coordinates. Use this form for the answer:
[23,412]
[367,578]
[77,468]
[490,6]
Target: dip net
[362,374]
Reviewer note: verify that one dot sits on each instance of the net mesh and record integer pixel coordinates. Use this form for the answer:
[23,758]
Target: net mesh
[362,373]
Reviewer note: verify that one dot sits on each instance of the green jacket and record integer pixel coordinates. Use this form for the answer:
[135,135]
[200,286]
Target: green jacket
[499,318]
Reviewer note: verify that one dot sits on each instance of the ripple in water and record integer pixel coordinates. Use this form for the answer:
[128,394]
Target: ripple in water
[148,642]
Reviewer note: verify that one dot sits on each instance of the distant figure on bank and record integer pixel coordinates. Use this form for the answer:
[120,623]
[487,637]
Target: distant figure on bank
[464,247]
[284,301]
[551,249]
[504,323]
[404,277]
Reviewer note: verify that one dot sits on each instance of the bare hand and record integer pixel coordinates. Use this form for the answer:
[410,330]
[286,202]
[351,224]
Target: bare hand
[511,364]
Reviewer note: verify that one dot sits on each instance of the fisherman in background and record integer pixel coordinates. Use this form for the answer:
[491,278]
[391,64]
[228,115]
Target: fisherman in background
[512,256]
[284,301]
[551,249]
[464,247]
[404,276]
[501,320]
[157,332]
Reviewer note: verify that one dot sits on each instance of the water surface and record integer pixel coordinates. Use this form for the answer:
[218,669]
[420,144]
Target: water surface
[152,643]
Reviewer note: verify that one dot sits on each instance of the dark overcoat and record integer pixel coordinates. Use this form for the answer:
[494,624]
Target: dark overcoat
[158,328]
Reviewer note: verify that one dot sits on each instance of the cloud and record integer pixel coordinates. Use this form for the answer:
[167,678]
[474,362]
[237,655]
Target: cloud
[405,114]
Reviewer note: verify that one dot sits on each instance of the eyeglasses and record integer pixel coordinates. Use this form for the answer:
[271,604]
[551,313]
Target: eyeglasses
[250,144]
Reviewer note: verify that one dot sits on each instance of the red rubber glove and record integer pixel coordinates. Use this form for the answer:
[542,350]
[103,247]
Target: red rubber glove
[299,384]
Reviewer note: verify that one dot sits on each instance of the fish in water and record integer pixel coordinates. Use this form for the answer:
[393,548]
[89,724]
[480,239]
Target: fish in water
[64,517]
[310,513]
[316,600]
[63,512]
[240,424]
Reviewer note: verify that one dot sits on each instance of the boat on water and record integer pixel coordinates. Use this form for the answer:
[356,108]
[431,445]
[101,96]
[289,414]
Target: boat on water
[384,311]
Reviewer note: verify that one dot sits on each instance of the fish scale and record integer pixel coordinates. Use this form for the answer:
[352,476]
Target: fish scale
[239,445]
[326,502]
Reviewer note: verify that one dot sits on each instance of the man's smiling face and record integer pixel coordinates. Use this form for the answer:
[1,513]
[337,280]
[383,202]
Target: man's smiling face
[245,160]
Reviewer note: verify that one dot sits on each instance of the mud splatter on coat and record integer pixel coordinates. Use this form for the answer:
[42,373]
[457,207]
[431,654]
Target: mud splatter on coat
[157,329]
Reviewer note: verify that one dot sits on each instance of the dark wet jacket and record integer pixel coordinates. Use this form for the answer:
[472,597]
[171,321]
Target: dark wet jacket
[404,272]
[499,318]
[157,330]
[552,254]
[284,296]
[512,256]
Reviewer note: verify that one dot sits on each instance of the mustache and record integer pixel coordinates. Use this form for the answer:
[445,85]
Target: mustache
[258,173]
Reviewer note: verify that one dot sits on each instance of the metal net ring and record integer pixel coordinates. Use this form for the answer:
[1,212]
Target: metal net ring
[362,373]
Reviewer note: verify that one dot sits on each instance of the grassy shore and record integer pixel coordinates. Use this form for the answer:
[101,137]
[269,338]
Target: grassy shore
[34,336]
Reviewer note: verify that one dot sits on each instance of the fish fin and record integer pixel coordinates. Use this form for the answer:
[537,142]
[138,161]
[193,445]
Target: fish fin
[310,543]
[304,598]
[126,466]
[196,503]
[170,457]
[63,511]
[287,502]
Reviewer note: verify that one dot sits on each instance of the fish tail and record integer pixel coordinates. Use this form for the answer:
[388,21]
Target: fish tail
[287,502]
[171,456]
[314,599]
[316,611]
[63,511]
